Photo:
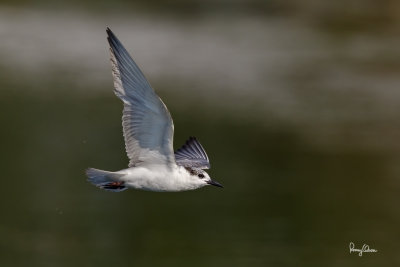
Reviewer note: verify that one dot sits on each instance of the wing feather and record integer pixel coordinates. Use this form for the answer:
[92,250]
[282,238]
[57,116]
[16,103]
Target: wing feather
[147,124]
[192,154]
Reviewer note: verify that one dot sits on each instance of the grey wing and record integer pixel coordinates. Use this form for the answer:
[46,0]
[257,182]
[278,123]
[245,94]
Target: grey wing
[192,154]
[147,124]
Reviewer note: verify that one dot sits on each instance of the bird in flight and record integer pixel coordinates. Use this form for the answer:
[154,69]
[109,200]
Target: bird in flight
[148,132]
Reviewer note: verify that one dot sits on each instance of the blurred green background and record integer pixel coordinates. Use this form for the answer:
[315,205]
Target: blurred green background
[297,104]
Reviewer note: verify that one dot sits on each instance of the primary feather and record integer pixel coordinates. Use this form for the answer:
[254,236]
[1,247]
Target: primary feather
[147,124]
[192,154]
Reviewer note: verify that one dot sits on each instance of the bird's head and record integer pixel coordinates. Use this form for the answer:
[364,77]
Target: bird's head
[199,176]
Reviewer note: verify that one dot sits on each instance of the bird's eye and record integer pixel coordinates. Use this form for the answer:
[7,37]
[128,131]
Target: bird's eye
[201,175]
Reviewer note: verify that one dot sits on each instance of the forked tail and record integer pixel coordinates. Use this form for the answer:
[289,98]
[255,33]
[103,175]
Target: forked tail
[105,180]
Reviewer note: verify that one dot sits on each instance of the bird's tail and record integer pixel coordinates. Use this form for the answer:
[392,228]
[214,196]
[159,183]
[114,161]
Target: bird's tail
[105,180]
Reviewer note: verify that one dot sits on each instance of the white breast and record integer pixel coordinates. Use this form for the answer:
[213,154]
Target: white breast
[159,178]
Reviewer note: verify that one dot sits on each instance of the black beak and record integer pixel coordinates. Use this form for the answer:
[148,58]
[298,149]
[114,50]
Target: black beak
[211,182]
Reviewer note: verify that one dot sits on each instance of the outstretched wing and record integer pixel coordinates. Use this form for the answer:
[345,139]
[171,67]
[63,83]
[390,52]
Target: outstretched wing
[147,124]
[192,154]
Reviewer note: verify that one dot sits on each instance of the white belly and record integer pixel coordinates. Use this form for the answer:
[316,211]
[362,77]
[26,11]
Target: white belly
[157,178]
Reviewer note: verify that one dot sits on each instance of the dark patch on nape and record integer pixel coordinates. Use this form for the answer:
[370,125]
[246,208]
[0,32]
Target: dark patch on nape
[191,170]
[195,172]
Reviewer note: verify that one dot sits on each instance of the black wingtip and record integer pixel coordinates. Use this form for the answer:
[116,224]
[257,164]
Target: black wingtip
[110,34]
[111,38]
